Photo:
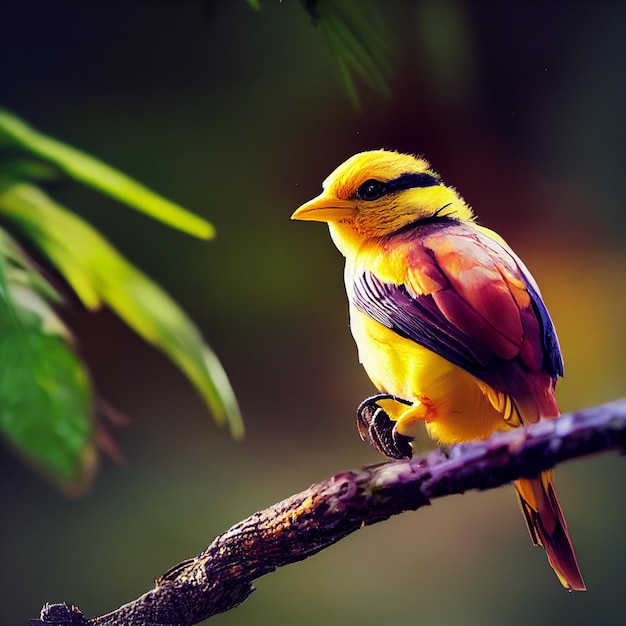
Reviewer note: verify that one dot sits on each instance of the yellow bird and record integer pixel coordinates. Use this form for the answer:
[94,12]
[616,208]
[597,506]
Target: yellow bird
[450,325]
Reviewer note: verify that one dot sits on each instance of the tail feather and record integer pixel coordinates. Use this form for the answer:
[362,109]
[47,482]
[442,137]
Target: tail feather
[547,527]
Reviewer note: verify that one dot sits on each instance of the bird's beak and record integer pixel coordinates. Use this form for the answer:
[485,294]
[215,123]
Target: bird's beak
[324,209]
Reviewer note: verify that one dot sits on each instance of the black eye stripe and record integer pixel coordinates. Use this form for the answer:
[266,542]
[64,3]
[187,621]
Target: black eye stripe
[410,181]
[374,189]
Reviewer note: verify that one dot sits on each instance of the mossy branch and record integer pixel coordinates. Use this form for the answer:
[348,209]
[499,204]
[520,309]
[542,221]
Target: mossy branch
[221,577]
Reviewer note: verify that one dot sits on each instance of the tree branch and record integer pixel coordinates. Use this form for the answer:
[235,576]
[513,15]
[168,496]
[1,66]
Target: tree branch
[220,578]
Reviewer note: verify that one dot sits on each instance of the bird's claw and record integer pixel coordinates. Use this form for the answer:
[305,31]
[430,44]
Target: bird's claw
[376,427]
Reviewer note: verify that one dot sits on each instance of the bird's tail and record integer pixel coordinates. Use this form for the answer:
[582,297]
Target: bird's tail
[547,527]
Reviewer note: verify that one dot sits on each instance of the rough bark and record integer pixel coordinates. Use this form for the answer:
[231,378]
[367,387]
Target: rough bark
[220,578]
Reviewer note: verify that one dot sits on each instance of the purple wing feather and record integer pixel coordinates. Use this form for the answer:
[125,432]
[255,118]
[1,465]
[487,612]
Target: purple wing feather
[483,312]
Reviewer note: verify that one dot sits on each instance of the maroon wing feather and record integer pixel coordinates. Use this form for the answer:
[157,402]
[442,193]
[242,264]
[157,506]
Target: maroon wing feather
[468,298]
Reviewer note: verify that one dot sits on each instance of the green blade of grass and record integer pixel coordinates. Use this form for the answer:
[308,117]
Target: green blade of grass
[100,176]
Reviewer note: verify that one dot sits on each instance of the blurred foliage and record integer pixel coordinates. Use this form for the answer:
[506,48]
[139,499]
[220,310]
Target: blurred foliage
[357,39]
[99,275]
[45,404]
[354,32]
[45,397]
[91,172]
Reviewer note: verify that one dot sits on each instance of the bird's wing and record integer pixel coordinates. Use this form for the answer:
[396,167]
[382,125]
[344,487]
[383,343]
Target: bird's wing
[460,291]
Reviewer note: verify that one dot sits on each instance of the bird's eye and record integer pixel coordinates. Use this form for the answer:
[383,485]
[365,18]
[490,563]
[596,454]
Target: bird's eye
[371,190]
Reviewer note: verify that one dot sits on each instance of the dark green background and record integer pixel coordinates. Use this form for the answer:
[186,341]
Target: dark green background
[238,116]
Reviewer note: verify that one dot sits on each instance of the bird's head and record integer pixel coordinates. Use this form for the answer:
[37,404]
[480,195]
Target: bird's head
[378,192]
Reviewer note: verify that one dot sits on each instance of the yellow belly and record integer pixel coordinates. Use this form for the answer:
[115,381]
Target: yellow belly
[455,405]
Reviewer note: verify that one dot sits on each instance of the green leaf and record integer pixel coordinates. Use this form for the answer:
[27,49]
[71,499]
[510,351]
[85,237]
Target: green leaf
[44,389]
[355,35]
[255,4]
[100,176]
[99,273]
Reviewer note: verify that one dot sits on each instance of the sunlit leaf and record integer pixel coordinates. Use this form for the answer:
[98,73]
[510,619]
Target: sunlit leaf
[100,176]
[255,4]
[98,272]
[44,389]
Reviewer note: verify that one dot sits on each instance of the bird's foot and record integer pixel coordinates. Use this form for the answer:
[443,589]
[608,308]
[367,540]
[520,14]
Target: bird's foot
[376,427]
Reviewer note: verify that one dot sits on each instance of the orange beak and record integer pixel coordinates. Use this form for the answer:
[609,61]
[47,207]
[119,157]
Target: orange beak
[324,209]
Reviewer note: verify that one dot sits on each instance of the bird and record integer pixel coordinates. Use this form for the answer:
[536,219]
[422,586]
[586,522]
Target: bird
[449,324]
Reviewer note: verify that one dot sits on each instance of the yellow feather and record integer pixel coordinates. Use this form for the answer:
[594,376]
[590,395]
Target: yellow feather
[452,402]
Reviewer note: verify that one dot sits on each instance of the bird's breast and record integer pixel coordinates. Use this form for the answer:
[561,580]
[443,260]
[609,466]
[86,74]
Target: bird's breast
[460,408]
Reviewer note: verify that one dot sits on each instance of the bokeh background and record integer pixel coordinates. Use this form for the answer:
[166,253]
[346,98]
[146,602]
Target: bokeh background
[238,116]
